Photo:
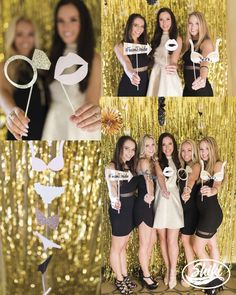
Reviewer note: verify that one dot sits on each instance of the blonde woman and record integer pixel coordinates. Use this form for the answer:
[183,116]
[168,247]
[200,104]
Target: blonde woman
[22,38]
[210,213]
[143,209]
[195,74]
[189,160]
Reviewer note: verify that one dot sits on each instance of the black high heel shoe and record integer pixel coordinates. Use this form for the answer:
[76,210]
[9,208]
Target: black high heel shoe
[130,284]
[122,287]
[149,286]
[213,290]
[140,273]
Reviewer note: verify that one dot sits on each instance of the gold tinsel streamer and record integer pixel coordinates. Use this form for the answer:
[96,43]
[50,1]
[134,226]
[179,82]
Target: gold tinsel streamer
[75,269]
[116,12]
[42,13]
[185,118]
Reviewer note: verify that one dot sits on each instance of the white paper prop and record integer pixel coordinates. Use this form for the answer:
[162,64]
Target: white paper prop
[56,164]
[131,48]
[70,79]
[48,193]
[47,243]
[197,58]
[170,45]
[39,61]
[168,171]
[115,175]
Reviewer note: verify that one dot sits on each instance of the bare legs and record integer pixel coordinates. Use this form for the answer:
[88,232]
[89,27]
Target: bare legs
[188,249]
[146,241]
[118,256]
[170,250]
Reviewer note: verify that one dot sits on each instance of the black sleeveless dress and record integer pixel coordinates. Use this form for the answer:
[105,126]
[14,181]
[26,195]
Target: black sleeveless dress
[142,211]
[189,78]
[190,209]
[123,223]
[38,103]
[210,214]
[126,88]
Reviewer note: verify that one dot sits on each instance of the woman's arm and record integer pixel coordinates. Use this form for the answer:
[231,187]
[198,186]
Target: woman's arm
[175,57]
[144,167]
[112,188]
[127,65]
[206,47]
[161,180]
[193,177]
[16,123]
[88,116]
[211,191]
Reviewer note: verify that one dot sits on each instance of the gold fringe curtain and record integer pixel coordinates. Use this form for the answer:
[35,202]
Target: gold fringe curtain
[116,12]
[185,118]
[74,269]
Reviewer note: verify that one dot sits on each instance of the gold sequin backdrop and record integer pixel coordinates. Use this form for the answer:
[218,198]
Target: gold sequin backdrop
[74,269]
[116,12]
[193,118]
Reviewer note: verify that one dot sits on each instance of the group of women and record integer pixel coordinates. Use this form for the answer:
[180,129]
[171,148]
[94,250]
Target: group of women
[177,192]
[163,60]
[50,116]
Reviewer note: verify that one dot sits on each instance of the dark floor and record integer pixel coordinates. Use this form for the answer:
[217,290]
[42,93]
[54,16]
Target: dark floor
[229,288]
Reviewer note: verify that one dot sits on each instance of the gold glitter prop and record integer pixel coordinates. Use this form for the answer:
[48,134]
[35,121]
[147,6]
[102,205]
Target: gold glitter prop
[111,120]
[185,118]
[116,12]
[74,269]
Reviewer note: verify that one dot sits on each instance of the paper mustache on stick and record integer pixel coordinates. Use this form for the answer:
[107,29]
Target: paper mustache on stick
[41,61]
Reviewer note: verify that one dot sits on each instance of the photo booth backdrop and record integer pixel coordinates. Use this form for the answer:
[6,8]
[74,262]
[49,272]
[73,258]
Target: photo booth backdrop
[74,269]
[115,14]
[185,118]
[42,12]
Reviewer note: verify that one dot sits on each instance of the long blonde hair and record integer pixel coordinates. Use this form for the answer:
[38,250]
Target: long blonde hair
[203,30]
[141,145]
[213,153]
[195,154]
[11,33]
[10,43]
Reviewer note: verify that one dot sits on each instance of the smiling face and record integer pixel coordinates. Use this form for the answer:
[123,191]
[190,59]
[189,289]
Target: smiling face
[204,151]
[68,23]
[165,21]
[193,26]
[187,152]
[167,146]
[149,147]
[137,28]
[128,151]
[24,38]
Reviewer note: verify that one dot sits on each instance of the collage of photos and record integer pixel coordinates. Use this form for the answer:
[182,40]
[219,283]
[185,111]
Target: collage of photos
[117,147]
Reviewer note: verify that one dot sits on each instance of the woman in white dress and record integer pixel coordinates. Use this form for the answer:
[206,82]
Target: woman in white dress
[74,33]
[164,79]
[168,209]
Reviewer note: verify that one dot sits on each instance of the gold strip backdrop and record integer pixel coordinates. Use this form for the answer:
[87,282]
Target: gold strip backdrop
[42,13]
[116,12]
[74,269]
[184,121]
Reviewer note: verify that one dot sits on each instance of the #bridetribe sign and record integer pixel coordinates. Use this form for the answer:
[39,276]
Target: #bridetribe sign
[131,48]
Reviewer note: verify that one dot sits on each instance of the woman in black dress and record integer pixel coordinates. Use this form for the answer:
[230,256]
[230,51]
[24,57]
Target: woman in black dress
[210,213]
[22,39]
[122,199]
[143,208]
[189,159]
[195,74]
[134,81]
